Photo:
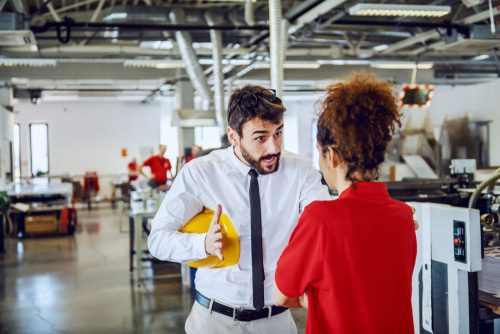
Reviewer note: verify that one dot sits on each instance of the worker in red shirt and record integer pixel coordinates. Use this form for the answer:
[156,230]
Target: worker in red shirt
[132,170]
[159,166]
[195,151]
[350,260]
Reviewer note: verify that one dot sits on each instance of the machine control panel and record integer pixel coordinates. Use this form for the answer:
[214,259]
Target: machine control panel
[459,241]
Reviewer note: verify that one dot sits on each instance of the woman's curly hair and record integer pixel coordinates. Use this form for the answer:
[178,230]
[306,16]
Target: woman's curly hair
[358,118]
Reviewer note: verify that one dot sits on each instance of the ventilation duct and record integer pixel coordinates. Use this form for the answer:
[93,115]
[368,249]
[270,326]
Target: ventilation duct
[275,35]
[216,39]
[193,68]
[249,12]
[187,115]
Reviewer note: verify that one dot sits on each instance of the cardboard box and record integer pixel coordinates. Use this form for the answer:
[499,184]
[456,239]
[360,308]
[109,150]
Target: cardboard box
[40,224]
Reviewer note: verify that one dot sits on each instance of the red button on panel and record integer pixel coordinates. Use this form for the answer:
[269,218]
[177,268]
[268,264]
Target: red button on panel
[456,241]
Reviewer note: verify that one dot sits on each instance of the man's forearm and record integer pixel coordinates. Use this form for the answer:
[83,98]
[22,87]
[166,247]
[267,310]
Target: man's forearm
[176,246]
[281,299]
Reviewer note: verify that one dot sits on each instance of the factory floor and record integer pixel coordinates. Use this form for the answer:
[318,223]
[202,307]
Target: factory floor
[82,284]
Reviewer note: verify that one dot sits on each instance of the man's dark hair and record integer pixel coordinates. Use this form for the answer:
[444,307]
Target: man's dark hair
[251,102]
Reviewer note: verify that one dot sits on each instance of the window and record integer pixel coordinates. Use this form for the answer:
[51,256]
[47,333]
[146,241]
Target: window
[39,144]
[17,151]
[207,136]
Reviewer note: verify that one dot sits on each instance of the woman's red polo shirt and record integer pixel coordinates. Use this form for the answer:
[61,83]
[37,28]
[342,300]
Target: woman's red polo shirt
[354,257]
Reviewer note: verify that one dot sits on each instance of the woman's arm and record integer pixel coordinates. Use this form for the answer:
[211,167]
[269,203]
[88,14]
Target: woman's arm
[281,300]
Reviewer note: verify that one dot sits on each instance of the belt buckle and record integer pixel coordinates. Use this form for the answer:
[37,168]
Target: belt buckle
[237,311]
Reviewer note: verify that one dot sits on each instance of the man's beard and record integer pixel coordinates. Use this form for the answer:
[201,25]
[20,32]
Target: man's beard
[256,163]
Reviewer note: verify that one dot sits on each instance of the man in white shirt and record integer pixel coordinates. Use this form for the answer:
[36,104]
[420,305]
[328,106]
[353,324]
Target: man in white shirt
[263,190]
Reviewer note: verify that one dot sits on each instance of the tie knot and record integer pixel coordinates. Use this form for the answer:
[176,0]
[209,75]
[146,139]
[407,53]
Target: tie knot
[253,173]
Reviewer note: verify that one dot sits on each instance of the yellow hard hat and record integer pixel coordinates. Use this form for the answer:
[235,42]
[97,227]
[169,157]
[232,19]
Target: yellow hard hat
[230,240]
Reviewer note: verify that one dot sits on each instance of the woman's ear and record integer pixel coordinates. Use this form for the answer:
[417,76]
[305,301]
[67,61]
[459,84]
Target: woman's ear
[333,157]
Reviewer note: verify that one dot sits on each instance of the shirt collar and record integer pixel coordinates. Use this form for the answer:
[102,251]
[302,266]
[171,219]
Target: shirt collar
[366,189]
[243,168]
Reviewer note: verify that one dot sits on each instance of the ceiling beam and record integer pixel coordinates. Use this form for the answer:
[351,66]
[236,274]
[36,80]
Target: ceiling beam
[70,7]
[481,16]
[53,12]
[20,6]
[97,10]
[2,4]
[313,13]
[431,34]
[435,34]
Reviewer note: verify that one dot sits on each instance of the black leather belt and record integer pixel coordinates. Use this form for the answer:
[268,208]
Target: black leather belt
[239,314]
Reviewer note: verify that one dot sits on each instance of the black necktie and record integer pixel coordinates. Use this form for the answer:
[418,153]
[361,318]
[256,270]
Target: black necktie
[256,232]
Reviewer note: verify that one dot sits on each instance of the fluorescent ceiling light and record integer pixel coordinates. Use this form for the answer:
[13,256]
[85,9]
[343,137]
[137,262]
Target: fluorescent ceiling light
[162,45]
[373,9]
[291,65]
[29,62]
[163,64]
[379,48]
[235,62]
[481,57]
[202,45]
[111,33]
[115,16]
[401,65]
[344,62]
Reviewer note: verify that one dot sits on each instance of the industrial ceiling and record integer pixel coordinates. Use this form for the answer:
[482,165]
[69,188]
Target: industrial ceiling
[135,45]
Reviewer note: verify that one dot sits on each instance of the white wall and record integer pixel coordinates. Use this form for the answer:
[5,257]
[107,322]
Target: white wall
[6,128]
[86,136]
[480,102]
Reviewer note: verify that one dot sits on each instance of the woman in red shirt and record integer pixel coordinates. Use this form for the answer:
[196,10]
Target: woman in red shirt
[350,260]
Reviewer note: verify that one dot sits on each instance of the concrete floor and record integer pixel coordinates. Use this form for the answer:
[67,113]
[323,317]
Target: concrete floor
[81,284]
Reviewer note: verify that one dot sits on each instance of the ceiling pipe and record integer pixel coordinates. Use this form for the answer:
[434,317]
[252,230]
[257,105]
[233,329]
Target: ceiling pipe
[116,50]
[275,35]
[249,12]
[216,39]
[188,55]
[68,23]
[304,13]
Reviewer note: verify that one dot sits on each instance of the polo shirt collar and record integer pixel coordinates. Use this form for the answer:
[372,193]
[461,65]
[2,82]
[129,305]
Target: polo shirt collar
[366,189]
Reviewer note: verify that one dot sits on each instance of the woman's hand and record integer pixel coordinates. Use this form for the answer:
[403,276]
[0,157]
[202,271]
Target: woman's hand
[303,301]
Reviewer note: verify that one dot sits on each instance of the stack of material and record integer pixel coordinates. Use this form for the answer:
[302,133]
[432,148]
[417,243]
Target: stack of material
[489,277]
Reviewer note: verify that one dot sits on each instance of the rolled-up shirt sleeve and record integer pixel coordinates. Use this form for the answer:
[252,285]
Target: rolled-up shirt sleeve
[181,203]
[312,188]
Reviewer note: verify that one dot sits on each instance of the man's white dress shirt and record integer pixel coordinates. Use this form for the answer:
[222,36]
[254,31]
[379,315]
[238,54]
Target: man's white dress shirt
[221,177]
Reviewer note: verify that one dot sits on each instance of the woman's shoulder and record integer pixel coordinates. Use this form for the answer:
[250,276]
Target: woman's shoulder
[322,208]
[402,206]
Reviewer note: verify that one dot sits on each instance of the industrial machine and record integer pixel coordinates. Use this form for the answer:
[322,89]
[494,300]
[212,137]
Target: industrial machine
[459,222]
[444,286]
[41,209]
